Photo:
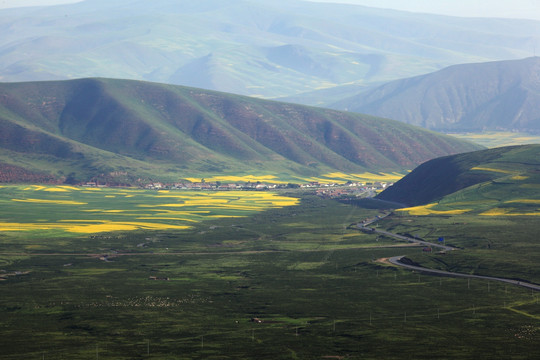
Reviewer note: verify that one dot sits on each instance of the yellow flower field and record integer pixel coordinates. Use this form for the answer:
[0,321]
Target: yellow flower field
[57,202]
[428,210]
[335,177]
[492,170]
[65,209]
[525,201]
[242,179]
[508,212]
[107,226]
[495,212]
[338,177]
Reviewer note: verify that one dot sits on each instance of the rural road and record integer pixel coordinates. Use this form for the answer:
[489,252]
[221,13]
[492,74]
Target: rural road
[396,260]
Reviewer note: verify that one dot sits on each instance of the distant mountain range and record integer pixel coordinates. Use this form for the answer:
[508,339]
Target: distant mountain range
[501,95]
[80,129]
[253,47]
[506,177]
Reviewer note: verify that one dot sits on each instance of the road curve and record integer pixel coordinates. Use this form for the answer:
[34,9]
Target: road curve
[396,260]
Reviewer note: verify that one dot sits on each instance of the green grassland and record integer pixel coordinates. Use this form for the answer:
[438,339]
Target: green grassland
[491,139]
[309,276]
[494,220]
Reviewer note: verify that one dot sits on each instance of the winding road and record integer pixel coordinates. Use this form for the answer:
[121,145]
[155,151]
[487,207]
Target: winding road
[396,260]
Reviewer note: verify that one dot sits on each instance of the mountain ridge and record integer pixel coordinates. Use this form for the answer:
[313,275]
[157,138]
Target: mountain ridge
[247,47]
[105,122]
[458,179]
[489,96]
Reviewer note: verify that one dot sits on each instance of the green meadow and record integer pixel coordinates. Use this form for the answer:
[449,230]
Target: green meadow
[286,282]
[491,139]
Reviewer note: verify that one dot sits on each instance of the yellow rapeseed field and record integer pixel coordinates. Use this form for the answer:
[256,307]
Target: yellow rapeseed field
[495,212]
[241,179]
[428,210]
[335,177]
[14,226]
[492,170]
[57,202]
[107,226]
[105,210]
[56,189]
[338,177]
[508,212]
[524,201]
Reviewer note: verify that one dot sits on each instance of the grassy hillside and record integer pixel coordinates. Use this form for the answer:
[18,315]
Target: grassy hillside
[476,181]
[492,96]
[80,129]
[491,139]
[485,204]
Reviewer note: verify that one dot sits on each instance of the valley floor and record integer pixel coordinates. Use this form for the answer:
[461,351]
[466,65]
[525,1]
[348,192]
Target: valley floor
[292,282]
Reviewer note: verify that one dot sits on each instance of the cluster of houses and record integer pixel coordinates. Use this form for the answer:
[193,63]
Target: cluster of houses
[331,190]
[214,186]
[351,190]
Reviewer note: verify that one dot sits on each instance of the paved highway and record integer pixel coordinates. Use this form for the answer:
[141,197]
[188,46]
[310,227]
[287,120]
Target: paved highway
[396,260]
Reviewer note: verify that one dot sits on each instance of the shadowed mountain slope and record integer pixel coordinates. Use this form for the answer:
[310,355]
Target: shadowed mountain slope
[502,95]
[92,126]
[506,174]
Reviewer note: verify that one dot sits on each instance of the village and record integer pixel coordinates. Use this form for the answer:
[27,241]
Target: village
[349,189]
[326,190]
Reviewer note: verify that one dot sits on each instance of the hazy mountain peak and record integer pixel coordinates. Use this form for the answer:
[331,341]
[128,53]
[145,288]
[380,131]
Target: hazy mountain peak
[158,41]
[500,95]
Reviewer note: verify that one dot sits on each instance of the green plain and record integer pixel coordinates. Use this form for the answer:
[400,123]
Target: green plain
[304,271]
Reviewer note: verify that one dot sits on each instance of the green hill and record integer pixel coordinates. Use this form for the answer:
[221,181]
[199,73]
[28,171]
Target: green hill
[501,181]
[80,129]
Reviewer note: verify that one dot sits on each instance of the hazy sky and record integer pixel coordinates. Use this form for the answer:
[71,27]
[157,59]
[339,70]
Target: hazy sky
[18,3]
[525,9]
